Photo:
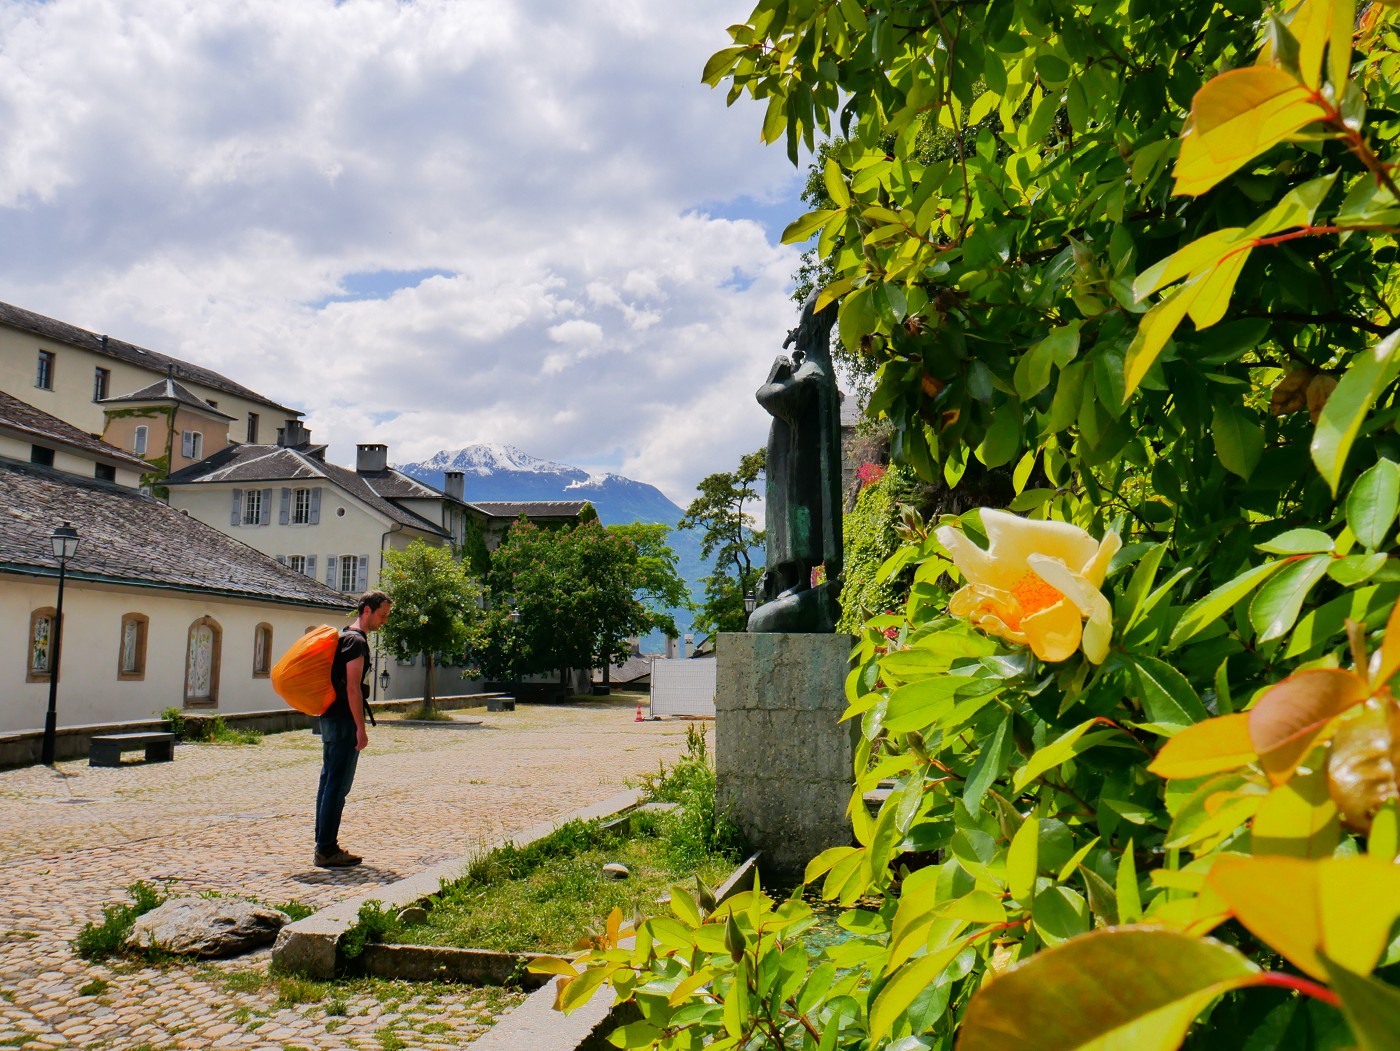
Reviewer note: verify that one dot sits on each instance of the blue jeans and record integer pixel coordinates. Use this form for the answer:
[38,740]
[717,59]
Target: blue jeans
[338,761]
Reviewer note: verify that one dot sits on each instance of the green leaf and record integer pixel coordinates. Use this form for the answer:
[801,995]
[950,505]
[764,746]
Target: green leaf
[1023,859]
[1371,1007]
[1084,994]
[1276,607]
[1063,748]
[1369,374]
[1373,502]
[1126,887]
[1207,610]
[836,184]
[1003,437]
[1238,443]
[1059,914]
[1033,370]
[989,766]
[1298,542]
[1166,695]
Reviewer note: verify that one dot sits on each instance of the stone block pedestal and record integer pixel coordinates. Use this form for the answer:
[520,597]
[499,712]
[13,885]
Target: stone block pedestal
[783,758]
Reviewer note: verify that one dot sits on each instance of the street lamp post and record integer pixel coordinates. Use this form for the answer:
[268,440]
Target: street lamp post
[749,601]
[515,645]
[65,546]
[384,683]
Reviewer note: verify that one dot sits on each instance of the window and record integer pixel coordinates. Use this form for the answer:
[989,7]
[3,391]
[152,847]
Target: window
[192,445]
[138,441]
[262,651]
[202,664]
[211,403]
[252,428]
[104,472]
[252,506]
[100,379]
[349,564]
[43,457]
[43,375]
[131,655]
[301,506]
[41,629]
[297,562]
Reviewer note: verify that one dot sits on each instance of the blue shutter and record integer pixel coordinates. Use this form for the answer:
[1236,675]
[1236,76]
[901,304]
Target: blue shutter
[282,560]
[284,515]
[363,579]
[237,506]
[265,510]
[331,582]
[316,506]
[311,566]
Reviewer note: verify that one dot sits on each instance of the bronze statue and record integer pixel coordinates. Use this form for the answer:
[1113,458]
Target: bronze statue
[804,483]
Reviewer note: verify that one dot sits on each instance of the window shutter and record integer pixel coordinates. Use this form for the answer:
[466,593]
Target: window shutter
[285,514]
[362,582]
[282,560]
[331,582]
[237,507]
[311,566]
[187,444]
[316,506]
[265,511]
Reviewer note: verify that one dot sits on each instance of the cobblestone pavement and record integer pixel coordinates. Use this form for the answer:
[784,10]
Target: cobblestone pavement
[237,820]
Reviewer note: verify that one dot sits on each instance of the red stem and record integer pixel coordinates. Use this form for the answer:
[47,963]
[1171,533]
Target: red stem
[1302,985]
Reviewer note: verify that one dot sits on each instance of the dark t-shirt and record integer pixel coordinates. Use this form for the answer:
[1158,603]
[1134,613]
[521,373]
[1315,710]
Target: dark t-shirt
[352,644]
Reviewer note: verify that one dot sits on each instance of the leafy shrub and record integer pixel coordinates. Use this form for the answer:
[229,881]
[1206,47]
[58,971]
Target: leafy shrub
[98,941]
[374,923]
[174,721]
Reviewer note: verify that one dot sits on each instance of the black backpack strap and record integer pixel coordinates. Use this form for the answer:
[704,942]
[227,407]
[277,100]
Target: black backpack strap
[364,701]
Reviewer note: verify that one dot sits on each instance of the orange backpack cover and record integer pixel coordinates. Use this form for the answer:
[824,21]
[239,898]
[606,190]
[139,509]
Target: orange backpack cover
[302,677]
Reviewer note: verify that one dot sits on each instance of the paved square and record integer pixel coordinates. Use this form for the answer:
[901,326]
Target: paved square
[238,820]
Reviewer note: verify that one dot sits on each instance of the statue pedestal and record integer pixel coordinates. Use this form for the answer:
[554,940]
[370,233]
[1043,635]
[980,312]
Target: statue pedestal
[783,758]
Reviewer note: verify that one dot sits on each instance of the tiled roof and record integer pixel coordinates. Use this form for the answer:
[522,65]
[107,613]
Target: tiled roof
[133,539]
[168,390]
[21,416]
[532,508]
[274,463]
[395,485]
[48,328]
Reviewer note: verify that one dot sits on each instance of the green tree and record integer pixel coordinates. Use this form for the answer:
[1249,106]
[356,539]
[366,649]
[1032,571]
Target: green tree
[729,537]
[1178,806]
[436,609]
[658,584]
[575,592]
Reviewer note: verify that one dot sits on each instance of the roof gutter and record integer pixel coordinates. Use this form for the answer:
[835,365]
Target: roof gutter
[43,572]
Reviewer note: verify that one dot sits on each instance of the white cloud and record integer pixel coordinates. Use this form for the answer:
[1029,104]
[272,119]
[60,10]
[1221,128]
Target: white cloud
[201,178]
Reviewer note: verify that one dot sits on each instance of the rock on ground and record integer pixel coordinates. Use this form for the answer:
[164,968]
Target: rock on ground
[207,926]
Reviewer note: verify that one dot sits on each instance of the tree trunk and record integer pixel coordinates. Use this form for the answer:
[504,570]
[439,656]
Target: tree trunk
[428,684]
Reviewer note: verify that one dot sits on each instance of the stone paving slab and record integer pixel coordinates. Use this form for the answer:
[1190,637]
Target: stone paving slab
[237,820]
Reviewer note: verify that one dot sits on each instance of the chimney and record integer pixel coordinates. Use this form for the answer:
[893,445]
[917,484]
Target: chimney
[293,434]
[454,484]
[371,458]
[671,642]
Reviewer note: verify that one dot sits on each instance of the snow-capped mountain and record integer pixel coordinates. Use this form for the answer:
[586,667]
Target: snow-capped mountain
[503,472]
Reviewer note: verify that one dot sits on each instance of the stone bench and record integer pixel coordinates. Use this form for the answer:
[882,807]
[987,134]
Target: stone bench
[107,750]
[500,704]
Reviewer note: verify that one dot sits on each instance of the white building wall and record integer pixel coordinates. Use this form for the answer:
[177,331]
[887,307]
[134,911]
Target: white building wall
[89,690]
[74,372]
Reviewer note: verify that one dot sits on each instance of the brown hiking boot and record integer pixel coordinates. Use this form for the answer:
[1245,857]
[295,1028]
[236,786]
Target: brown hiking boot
[337,859]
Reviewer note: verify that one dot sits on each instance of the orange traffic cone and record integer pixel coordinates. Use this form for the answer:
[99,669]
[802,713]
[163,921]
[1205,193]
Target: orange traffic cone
[639,718]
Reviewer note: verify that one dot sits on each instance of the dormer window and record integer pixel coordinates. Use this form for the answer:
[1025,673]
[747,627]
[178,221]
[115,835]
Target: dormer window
[43,373]
[192,445]
[138,441]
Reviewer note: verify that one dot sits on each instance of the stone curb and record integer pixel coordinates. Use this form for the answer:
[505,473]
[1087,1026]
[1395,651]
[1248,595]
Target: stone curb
[308,946]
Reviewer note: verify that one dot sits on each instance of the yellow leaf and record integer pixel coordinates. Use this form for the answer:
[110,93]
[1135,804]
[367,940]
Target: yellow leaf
[1298,819]
[1154,330]
[1217,744]
[1390,649]
[1200,254]
[552,965]
[1210,303]
[682,992]
[1343,906]
[1293,715]
[1237,116]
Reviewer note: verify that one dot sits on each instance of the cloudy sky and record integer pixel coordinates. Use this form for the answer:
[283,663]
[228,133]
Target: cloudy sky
[425,223]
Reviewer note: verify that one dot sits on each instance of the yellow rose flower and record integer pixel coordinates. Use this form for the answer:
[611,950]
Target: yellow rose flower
[1037,583]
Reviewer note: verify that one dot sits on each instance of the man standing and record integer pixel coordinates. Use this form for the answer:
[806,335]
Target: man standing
[343,734]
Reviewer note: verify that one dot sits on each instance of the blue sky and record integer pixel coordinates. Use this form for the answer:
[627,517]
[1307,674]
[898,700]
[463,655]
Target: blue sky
[426,224]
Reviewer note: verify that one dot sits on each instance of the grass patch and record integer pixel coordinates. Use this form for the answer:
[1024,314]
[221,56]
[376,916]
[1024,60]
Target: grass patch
[246,981]
[96,987]
[292,991]
[390,1040]
[98,941]
[427,713]
[546,895]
